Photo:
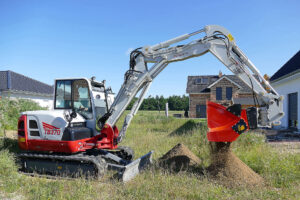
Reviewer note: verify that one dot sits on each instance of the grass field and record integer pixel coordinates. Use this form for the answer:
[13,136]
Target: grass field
[153,131]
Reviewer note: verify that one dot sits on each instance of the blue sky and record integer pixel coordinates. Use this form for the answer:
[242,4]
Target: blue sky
[75,38]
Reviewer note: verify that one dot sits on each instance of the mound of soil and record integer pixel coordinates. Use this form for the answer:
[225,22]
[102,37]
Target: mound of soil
[179,158]
[227,168]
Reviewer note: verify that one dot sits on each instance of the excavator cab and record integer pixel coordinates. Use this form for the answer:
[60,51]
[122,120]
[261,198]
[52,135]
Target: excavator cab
[86,97]
[77,103]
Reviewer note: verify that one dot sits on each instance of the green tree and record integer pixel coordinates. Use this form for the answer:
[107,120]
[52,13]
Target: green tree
[159,103]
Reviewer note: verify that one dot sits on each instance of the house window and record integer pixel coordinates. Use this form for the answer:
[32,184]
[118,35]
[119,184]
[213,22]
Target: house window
[203,80]
[201,111]
[293,110]
[198,81]
[228,93]
[218,93]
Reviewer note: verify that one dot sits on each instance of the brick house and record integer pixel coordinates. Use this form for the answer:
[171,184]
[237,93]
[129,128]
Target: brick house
[222,89]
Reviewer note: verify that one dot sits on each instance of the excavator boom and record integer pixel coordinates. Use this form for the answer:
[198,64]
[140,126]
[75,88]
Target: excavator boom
[218,41]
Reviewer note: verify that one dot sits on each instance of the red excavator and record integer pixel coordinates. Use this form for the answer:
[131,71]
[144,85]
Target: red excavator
[80,135]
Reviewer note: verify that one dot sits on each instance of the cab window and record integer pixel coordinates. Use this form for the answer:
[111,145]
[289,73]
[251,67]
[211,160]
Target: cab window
[74,94]
[63,95]
[81,98]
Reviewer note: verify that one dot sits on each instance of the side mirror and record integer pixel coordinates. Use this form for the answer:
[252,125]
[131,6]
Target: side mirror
[69,116]
[73,114]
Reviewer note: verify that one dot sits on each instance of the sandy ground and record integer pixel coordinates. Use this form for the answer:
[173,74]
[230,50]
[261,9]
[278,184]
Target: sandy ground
[11,134]
[284,147]
[11,197]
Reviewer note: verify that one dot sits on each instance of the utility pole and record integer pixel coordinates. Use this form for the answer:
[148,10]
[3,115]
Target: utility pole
[167,110]
[158,106]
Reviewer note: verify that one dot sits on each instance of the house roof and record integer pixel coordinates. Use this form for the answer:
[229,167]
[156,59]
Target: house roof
[290,66]
[13,81]
[224,77]
[193,87]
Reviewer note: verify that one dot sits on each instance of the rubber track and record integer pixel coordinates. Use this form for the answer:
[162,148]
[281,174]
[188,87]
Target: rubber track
[47,176]
[78,158]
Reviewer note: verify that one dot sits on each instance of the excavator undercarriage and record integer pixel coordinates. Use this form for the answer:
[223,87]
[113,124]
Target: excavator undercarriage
[89,164]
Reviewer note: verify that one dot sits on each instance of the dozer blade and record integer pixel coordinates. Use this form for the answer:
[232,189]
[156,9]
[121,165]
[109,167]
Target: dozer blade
[129,171]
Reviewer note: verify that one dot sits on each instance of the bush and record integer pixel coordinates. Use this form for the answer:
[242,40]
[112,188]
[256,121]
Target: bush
[10,111]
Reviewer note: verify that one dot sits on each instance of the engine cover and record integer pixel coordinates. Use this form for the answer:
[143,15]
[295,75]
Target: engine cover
[76,133]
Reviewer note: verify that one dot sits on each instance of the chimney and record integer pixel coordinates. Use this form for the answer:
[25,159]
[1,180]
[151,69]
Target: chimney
[220,74]
[266,77]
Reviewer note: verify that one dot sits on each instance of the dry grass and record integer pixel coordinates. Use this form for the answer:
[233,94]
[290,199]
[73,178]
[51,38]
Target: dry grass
[151,131]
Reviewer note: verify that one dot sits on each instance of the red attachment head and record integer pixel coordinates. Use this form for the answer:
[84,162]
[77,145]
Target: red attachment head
[224,126]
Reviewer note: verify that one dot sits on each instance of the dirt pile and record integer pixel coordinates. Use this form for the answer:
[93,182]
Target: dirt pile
[179,158]
[226,168]
[229,169]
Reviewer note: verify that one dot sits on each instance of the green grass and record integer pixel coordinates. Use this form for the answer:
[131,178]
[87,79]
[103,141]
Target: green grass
[152,131]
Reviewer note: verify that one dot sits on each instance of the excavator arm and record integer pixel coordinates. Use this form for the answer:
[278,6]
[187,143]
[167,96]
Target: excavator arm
[221,44]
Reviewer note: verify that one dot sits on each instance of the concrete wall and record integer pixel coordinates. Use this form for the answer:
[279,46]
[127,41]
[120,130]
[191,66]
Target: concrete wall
[42,100]
[284,87]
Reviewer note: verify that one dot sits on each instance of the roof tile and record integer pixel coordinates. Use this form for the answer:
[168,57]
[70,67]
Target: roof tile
[192,87]
[23,83]
[290,66]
